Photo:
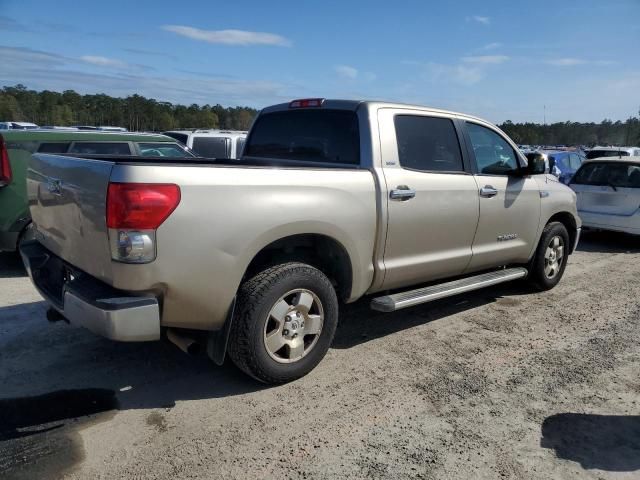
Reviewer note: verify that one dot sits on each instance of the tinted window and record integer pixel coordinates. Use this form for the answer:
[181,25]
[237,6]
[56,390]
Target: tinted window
[162,149]
[181,137]
[428,143]
[312,135]
[101,148]
[493,154]
[606,153]
[54,147]
[624,175]
[211,147]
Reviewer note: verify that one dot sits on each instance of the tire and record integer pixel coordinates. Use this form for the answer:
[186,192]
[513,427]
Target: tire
[273,335]
[546,268]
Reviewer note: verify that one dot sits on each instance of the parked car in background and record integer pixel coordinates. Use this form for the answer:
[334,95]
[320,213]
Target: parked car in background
[16,147]
[18,126]
[601,152]
[212,143]
[330,201]
[608,193]
[563,164]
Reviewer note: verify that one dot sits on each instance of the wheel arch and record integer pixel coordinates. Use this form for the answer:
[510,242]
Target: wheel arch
[321,251]
[569,221]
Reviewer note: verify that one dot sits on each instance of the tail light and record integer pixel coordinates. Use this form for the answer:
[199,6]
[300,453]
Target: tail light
[5,166]
[134,212]
[306,103]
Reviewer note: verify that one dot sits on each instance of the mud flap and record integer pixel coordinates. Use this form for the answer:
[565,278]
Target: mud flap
[217,341]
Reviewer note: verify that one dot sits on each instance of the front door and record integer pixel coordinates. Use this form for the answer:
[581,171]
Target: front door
[432,199]
[509,202]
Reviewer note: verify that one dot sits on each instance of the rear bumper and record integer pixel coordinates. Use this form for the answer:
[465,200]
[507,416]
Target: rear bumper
[87,302]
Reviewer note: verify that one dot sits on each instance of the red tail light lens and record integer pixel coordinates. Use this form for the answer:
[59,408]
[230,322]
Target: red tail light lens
[5,166]
[306,103]
[141,206]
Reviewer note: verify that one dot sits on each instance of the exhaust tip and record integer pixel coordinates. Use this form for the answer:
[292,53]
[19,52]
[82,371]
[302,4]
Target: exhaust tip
[186,344]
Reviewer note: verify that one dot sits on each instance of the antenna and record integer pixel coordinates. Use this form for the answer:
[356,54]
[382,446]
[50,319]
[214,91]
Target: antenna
[544,115]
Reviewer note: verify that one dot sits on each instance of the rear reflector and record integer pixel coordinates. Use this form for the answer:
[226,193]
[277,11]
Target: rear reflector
[307,102]
[142,206]
[5,166]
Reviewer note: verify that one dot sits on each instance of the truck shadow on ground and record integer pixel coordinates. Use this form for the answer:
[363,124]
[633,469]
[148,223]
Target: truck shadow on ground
[11,266]
[359,324]
[603,442]
[608,242]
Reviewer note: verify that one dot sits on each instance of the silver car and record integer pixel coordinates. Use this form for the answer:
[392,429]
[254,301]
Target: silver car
[608,193]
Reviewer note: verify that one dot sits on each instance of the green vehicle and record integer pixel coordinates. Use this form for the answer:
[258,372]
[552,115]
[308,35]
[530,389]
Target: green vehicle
[16,147]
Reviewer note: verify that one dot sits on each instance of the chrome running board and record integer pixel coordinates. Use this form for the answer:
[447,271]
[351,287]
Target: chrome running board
[397,301]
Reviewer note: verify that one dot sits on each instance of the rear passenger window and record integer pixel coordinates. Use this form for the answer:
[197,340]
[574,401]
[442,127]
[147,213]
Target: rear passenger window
[54,147]
[494,155]
[211,147]
[428,144]
[101,148]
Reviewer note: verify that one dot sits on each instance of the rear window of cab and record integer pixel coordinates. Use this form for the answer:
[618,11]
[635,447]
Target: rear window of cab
[322,136]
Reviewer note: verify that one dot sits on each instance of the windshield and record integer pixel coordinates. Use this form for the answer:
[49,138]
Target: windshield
[327,136]
[606,153]
[162,149]
[614,174]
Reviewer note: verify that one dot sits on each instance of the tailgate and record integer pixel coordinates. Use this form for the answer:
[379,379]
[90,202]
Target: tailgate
[67,200]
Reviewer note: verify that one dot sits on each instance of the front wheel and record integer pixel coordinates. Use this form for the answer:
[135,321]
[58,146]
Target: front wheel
[548,264]
[284,324]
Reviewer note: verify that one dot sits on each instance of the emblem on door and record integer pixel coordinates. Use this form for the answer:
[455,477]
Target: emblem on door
[508,236]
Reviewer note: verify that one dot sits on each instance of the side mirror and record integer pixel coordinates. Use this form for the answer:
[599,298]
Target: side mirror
[536,164]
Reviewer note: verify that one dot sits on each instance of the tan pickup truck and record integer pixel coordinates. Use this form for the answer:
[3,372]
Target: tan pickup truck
[332,200]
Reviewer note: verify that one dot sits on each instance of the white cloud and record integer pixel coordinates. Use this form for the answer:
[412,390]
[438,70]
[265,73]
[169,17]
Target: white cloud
[491,46]
[48,71]
[103,61]
[346,71]
[566,62]
[572,62]
[486,59]
[460,74]
[479,19]
[229,37]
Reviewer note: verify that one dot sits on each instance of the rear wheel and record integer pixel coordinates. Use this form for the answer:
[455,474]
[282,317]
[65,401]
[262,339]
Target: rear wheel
[548,264]
[285,322]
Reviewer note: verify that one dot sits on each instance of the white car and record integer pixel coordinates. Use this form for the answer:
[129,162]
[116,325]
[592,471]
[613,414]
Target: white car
[18,126]
[600,152]
[212,143]
[608,193]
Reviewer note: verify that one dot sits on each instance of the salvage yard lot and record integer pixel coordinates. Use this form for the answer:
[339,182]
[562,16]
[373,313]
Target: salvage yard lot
[499,383]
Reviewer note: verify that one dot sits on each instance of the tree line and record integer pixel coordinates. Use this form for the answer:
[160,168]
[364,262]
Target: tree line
[135,112]
[607,132]
[138,113]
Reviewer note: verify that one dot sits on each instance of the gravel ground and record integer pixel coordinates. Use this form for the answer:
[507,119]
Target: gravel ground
[502,383]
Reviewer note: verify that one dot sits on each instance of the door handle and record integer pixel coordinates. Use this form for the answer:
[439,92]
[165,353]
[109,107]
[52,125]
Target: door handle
[402,192]
[488,191]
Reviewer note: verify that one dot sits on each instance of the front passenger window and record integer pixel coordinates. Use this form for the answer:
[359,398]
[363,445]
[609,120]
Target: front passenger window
[494,155]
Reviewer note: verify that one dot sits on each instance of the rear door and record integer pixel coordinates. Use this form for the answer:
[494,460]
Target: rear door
[432,198]
[611,188]
[509,202]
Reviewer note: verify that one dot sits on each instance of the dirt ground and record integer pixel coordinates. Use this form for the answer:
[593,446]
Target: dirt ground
[502,383]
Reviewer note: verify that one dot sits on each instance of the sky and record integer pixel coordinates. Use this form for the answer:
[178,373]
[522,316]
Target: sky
[516,60]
